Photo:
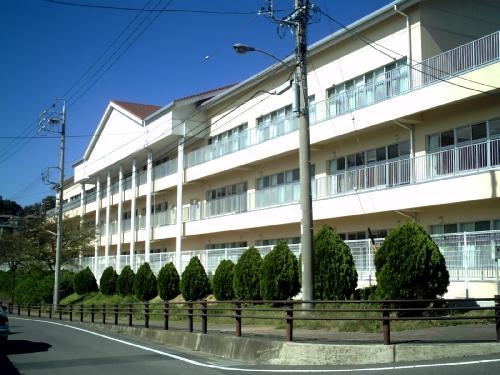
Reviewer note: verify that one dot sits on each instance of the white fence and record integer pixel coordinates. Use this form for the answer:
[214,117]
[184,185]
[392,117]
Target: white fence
[470,256]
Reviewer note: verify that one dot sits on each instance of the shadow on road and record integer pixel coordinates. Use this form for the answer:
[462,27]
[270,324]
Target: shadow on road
[18,347]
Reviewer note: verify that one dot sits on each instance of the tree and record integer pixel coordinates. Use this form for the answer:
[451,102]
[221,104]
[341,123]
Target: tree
[335,275]
[125,282]
[168,282]
[194,281]
[223,281]
[107,284]
[8,207]
[280,274]
[409,265]
[145,283]
[246,278]
[85,282]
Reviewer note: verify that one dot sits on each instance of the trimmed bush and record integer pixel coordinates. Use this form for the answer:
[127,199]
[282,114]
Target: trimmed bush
[145,283]
[194,281]
[66,286]
[125,282]
[365,294]
[280,274]
[222,283]
[107,284]
[168,282]
[409,265]
[335,275]
[85,282]
[246,278]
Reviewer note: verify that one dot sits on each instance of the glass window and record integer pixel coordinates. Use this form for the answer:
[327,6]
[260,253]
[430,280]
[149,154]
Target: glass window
[495,128]
[434,142]
[437,229]
[479,131]
[404,148]
[392,151]
[381,154]
[482,225]
[360,159]
[447,138]
[371,156]
[467,227]
[496,224]
[450,228]
[351,161]
[463,134]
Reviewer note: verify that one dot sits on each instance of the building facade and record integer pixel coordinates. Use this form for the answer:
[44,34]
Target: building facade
[405,125]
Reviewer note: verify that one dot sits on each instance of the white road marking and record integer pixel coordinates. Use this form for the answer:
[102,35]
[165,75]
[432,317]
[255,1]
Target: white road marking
[269,370]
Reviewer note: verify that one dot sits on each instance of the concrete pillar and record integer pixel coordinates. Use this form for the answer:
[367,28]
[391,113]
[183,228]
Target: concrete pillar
[82,217]
[149,189]
[178,222]
[120,214]
[97,222]
[108,220]
[132,216]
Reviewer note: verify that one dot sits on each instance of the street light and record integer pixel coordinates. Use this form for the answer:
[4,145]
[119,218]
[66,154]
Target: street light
[243,49]
[301,108]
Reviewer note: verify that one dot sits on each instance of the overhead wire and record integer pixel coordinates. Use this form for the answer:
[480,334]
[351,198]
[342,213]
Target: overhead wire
[372,44]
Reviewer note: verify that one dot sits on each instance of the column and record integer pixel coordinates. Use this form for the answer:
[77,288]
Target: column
[132,216]
[108,217]
[82,216]
[178,222]
[97,222]
[149,184]
[120,213]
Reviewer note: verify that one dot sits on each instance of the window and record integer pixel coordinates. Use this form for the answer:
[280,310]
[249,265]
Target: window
[227,134]
[229,190]
[225,245]
[276,123]
[281,178]
[494,128]
[274,241]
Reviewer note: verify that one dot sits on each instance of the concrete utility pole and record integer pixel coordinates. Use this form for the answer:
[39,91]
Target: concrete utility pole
[56,115]
[298,20]
[301,17]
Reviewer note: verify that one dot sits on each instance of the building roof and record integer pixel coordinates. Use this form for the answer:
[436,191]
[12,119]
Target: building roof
[140,110]
[211,92]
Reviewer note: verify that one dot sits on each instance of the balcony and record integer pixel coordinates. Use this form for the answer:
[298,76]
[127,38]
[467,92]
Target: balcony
[466,160]
[383,87]
[249,137]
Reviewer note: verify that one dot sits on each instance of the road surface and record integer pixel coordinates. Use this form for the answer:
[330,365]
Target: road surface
[44,347]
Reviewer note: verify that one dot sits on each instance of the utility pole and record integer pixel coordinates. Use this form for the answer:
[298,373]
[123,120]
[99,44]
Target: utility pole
[298,21]
[52,117]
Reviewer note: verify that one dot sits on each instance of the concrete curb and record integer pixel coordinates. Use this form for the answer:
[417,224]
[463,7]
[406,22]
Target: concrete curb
[263,351]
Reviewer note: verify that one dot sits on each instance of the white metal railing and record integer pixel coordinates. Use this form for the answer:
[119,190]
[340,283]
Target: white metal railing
[443,164]
[243,139]
[163,218]
[382,87]
[469,256]
[407,78]
[165,169]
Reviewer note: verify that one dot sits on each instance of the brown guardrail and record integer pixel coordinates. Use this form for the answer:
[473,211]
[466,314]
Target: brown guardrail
[289,311]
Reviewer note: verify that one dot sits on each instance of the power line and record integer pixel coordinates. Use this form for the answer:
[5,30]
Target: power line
[17,146]
[72,100]
[194,11]
[372,44]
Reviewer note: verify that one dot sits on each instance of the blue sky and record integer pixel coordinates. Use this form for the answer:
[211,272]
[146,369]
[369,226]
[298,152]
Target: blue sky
[47,49]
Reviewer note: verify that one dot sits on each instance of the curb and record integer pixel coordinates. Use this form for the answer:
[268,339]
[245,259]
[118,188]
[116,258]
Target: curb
[261,351]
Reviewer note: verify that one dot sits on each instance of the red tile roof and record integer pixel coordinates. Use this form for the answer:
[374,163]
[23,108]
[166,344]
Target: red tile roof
[140,110]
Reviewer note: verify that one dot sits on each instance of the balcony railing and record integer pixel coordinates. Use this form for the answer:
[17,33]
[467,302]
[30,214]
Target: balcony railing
[163,218]
[407,78]
[165,169]
[469,256]
[242,140]
[454,162]
[385,86]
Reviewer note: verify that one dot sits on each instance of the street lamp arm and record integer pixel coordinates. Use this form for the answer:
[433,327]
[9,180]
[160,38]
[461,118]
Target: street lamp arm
[243,48]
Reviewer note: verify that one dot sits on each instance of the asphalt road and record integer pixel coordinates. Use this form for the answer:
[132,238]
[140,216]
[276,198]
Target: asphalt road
[38,347]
